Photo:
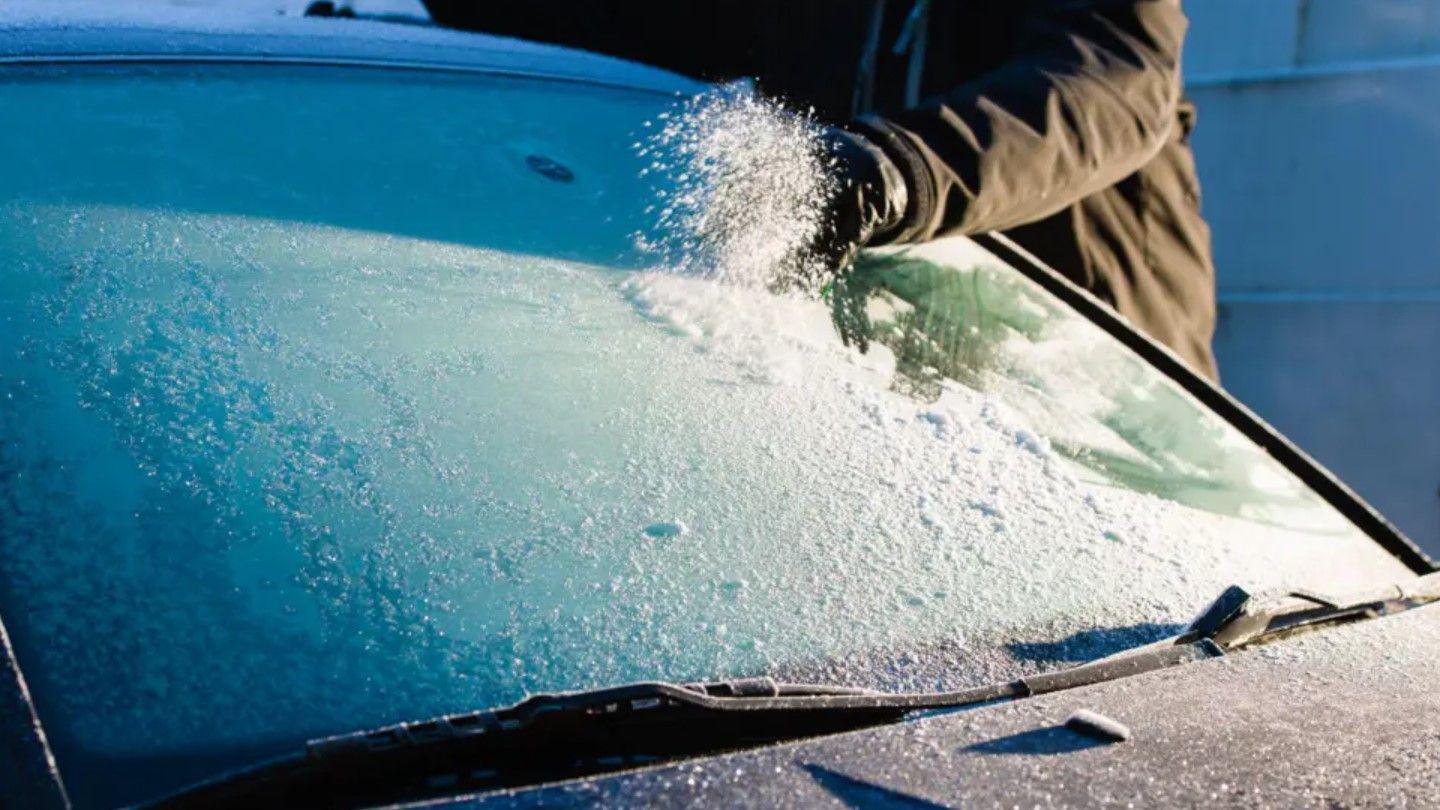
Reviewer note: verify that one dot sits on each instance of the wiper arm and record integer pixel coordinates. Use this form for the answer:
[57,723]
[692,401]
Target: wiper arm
[1238,619]
[558,736]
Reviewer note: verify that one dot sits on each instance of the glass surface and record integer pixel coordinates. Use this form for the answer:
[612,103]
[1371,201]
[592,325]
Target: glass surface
[329,401]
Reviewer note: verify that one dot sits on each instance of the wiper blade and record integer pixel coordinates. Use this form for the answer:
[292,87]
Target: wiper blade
[558,736]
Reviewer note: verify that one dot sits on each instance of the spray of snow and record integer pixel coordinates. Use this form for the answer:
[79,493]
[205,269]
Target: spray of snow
[740,184]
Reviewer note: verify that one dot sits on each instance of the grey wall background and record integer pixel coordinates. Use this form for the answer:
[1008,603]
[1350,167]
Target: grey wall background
[1319,153]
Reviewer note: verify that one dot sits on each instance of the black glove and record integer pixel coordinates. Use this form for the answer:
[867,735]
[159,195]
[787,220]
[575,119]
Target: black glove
[867,208]
[868,205]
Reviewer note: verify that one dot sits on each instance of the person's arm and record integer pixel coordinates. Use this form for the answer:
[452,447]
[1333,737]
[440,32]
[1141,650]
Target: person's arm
[1090,99]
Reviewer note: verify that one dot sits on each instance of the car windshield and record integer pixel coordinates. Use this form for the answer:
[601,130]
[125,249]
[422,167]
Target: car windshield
[335,397]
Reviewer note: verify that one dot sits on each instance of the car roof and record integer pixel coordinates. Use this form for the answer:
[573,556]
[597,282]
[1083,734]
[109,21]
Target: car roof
[40,33]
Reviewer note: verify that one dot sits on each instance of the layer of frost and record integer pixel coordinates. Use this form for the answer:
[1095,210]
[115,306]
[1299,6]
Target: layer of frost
[311,457]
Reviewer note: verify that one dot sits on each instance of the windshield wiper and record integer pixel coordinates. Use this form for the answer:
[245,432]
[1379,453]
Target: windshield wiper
[559,736]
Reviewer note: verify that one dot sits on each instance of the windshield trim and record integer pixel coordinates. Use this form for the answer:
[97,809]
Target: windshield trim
[29,776]
[1311,473]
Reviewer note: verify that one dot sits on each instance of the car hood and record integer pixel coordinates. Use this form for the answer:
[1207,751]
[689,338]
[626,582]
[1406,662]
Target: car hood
[1340,717]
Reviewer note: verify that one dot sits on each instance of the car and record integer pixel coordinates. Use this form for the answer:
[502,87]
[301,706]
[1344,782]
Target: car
[353,454]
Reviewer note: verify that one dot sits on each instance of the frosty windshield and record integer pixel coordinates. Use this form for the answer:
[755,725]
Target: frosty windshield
[336,397]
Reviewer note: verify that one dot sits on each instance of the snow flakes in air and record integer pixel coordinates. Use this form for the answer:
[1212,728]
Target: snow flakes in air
[741,184]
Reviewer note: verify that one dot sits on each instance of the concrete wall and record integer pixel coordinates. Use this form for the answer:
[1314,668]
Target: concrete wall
[1319,151]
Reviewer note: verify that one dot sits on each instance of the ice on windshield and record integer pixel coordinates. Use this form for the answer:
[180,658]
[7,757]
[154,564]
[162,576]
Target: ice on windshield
[463,473]
[266,458]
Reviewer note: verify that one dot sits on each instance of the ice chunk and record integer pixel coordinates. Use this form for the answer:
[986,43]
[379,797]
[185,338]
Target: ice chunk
[1094,724]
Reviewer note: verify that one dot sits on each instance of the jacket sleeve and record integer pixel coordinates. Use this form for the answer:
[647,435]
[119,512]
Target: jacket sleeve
[1089,98]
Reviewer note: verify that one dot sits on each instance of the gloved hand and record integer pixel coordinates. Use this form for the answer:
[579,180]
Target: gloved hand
[869,203]
[867,208]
